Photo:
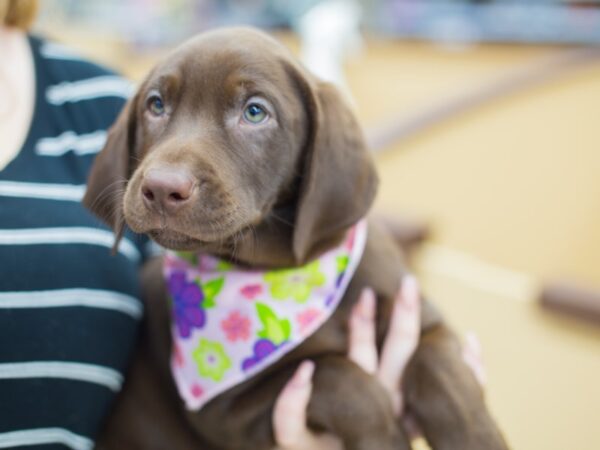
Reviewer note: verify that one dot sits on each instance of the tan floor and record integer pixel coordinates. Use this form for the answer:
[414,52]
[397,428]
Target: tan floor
[512,190]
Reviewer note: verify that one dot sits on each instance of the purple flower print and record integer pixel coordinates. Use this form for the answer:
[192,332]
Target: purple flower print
[176,282]
[329,299]
[187,301]
[262,349]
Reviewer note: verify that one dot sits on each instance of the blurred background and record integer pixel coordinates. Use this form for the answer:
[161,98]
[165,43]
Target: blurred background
[485,120]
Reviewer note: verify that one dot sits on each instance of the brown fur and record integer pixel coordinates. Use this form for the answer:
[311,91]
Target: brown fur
[268,195]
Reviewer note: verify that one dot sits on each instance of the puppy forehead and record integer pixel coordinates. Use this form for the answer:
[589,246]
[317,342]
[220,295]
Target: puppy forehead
[227,57]
[232,68]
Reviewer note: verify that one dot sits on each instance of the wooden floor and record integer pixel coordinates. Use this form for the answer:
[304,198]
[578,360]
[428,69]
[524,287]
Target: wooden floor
[512,190]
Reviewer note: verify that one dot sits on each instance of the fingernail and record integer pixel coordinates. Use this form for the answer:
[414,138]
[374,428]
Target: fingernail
[410,290]
[367,303]
[305,372]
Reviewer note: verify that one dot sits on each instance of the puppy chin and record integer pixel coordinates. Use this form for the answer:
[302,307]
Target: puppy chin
[173,240]
[158,229]
[183,233]
[167,236]
[142,223]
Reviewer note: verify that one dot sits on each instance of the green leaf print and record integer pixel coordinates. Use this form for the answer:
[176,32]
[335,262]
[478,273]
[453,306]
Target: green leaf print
[211,289]
[274,329]
[296,283]
[341,263]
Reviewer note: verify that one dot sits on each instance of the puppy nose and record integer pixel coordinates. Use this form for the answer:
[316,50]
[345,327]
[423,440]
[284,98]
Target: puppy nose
[167,189]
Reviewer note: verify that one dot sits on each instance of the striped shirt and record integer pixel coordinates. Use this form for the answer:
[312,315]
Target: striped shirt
[69,309]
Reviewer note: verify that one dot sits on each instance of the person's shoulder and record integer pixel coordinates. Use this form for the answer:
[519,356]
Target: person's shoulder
[69,61]
[67,73]
[87,96]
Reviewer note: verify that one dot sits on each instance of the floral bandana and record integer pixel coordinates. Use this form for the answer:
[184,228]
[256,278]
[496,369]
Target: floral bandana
[230,322]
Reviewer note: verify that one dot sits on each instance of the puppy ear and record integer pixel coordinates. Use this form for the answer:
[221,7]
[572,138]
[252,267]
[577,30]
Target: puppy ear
[110,171]
[339,181]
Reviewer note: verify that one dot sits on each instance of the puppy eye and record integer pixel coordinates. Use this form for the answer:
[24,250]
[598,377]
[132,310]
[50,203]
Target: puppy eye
[254,114]
[155,105]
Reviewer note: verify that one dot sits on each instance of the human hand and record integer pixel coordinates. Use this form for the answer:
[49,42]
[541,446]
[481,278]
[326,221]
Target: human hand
[289,415]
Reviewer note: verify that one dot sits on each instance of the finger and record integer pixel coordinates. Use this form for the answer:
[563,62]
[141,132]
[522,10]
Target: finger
[362,347]
[289,413]
[403,335]
[472,355]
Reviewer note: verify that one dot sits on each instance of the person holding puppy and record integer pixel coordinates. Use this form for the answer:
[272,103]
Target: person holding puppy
[69,310]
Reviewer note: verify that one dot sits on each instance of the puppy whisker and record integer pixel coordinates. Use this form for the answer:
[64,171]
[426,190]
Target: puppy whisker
[281,219]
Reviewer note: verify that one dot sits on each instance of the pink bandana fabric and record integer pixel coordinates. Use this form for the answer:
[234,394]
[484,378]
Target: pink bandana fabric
[229,322]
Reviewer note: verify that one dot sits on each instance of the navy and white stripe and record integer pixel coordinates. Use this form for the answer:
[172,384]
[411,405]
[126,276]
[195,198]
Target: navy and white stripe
[56,298]
[45,436]
[69,309]
[69,236]
[80,144]
[75,91]
[52,50]
[48,191]
[89,373]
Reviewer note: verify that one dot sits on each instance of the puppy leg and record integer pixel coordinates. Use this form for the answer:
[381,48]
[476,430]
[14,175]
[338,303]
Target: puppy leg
[349,403]
[445,398]
[345,401]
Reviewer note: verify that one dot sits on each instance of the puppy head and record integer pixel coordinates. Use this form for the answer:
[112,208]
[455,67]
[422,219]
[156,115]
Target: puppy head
[229,140]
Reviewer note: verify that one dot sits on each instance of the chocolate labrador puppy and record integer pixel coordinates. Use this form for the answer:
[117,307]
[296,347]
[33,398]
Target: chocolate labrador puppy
[231,148]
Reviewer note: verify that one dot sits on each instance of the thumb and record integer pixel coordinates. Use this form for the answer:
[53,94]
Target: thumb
[289,413]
